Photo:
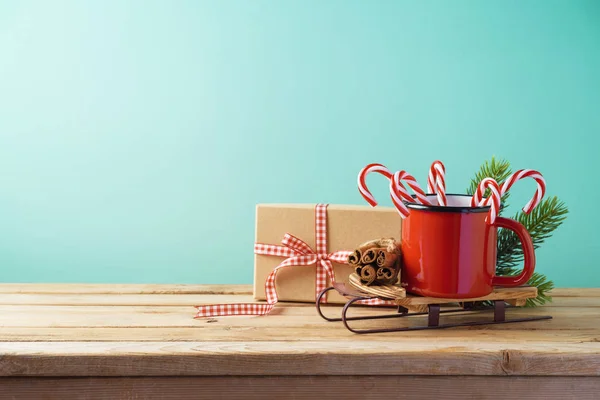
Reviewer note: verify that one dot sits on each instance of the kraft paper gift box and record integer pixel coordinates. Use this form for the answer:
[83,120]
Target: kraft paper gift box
[347,227]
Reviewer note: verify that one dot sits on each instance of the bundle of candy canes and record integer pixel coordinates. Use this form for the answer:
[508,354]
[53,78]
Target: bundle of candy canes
[436,184]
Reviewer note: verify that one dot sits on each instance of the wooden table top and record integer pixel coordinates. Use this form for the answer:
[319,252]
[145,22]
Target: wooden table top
[52,330]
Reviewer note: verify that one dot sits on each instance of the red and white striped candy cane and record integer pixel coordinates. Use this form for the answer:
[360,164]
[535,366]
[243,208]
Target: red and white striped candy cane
[493,200]
[527,173]
[478,200]
[412,183]
[362,185]
[436,181]
[399,192]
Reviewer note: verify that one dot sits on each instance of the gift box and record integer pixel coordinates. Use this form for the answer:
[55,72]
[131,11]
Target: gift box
[342,228]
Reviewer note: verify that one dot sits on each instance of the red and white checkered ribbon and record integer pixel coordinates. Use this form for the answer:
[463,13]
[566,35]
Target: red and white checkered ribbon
[297,252]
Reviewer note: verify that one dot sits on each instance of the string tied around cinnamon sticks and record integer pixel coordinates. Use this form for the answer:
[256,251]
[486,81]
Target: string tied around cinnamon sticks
[377,262]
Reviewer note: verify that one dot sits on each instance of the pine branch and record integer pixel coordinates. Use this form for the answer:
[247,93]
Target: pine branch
[544,286]
[497,169]
[540,223]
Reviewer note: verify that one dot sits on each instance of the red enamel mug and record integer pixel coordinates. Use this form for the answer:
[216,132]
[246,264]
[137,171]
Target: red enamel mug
[450,251]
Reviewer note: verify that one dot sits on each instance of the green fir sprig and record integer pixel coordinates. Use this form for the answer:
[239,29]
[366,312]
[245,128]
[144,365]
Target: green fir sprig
[540,223]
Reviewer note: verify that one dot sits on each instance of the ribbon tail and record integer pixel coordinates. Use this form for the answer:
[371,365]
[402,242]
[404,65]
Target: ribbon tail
[219,310]
[214,310]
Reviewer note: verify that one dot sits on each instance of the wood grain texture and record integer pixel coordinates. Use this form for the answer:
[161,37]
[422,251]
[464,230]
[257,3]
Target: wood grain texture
[517,302]
[148,330]
[575,292]
[74,299]
[433,357]
[119,288]
[156,316]
[221,333]
[281,317]
[303,387]
[498,294]
[88,288]
[187,299]
[386,291]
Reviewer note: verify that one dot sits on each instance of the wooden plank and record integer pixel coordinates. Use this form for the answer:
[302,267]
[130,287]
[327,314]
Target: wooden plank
[352,357]
[153,316]
[573,302]
[186,300]
[179,300]
[117,288]
[303,387]
[150,331]
[575,292]
[139,302]
[157,316]
[497,294]
[416,308]
[386,291]
[506,333]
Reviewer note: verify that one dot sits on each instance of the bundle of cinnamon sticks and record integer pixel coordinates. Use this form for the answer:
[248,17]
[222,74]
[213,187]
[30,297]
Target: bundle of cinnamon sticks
[377,262]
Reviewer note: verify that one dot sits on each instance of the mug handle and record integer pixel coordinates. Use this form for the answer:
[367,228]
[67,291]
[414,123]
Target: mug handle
[528,254]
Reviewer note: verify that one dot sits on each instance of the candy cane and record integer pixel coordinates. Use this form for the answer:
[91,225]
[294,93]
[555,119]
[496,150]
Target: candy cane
[493,200]
[412,183]
[362,185]
[397,189]
[527,173]
[436,182]
[478,200]
[399,192]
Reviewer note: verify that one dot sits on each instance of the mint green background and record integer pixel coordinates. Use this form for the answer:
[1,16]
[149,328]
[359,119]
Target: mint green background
[137,136]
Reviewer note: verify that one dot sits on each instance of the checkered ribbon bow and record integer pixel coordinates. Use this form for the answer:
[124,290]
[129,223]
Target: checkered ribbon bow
[297,252]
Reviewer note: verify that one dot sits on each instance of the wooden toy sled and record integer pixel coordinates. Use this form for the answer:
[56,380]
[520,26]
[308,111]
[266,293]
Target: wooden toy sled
[412,305]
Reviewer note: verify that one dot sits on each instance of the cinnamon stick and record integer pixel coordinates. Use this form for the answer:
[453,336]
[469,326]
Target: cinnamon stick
[386,259]
[367,275]
[358,269]
[377,261]
[354,258]
[388,243]
[369,256]
[386,275]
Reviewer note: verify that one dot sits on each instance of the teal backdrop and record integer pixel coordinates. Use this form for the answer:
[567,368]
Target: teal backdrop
[138,136]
